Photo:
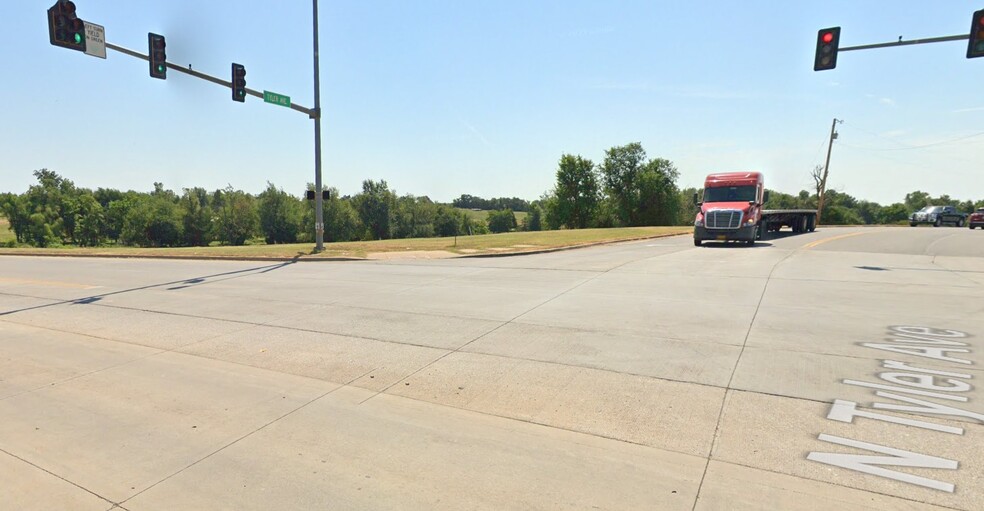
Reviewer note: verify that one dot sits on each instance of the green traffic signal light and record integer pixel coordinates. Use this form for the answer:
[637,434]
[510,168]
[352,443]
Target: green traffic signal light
[156,56]
[78,38]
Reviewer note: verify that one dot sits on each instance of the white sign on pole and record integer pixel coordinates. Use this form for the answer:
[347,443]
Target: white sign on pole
[95,40]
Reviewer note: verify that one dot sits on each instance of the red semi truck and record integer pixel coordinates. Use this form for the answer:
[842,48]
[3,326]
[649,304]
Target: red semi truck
[732,210]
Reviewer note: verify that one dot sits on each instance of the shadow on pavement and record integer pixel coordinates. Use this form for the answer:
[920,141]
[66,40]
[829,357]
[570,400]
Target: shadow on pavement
[196,281]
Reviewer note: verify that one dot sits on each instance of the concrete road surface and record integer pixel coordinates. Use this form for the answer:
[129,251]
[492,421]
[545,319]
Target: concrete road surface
[833,370]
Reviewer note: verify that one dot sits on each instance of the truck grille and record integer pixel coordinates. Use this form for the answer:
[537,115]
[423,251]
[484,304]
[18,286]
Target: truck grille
[722,219]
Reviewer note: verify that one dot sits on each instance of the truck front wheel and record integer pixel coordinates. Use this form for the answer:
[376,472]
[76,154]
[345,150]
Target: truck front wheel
[697,242]
[938,222]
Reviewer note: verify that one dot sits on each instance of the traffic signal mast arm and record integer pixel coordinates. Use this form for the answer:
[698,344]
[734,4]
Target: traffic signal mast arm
[218,81]
[907,43]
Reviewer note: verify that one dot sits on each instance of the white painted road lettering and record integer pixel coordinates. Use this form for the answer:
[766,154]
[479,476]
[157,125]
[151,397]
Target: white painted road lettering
[925,381]
[905,390]
[925,407]
[917,341]
[893,364]
[846,411]
[921,351]
[898,458]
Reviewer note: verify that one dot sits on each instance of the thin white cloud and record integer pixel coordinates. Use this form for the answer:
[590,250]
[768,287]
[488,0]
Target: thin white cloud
[478,134]
[887,101]
[971,109]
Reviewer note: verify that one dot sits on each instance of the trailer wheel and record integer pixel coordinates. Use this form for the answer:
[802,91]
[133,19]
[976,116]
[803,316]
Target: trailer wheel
[811,223]
[960,222]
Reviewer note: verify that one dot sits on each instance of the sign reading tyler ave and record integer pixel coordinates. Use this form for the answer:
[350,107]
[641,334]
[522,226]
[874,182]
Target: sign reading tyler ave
[276,99]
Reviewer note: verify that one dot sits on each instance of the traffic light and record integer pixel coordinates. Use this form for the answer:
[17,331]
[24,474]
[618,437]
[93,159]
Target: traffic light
[828,40]
[158,57]
[325,195]
[975,47]
[310,195]
[238,83]
[65,29]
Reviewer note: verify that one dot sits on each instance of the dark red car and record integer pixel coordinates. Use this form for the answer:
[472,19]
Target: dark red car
[976,219]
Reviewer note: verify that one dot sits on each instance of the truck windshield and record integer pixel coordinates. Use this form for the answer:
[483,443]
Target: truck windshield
[932,209]
[730,194]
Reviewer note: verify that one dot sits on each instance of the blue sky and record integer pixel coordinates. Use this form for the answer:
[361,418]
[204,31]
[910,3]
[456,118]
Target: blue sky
[482,97]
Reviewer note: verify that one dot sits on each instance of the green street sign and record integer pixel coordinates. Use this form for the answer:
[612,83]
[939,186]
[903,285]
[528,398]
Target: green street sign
[276,99]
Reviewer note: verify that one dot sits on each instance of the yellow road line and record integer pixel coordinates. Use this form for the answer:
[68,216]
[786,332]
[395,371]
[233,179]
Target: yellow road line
[834,238]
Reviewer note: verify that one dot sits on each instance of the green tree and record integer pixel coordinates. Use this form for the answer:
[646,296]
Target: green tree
[501,221]
[413,217]
[447,221]
[280,215]
[658,194]
[341,219]
[577,191]
[116,216]
[687,208]
[534,220]
[196,217]
[643,192]
[917,200]
[620,172]
[375,205]
[237,220]
[14,208]
[152,221]
[90,221]
[893,214]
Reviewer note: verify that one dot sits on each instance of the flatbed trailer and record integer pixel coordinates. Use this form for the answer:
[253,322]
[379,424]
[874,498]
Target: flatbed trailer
[799,220]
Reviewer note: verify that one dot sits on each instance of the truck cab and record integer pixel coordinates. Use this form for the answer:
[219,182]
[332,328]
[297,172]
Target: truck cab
[731,209]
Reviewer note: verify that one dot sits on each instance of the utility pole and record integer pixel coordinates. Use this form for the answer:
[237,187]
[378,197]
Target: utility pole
[826,168]
[319,219]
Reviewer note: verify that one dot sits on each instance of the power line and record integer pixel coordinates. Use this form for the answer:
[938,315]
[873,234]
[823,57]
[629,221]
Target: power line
[907,146]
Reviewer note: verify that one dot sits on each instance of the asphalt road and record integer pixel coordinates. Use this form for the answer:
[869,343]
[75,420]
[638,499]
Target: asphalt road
[832,370]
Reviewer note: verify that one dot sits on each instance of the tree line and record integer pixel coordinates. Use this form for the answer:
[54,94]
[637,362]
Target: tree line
[56,212]
[494,204]
[626,189]
[630,189]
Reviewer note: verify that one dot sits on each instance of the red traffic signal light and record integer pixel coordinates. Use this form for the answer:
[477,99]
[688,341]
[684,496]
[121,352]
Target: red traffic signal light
[975,46]
[65,29]
[156,47]
[238,83]
[828,40]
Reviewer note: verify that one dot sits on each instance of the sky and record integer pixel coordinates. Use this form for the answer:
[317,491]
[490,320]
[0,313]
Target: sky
[482,97]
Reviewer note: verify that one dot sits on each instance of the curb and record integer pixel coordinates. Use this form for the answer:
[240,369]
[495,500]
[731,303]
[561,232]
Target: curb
[561,249]
[299,259]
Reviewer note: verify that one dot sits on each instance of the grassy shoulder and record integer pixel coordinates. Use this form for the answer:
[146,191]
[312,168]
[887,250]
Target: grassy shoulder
[513,242]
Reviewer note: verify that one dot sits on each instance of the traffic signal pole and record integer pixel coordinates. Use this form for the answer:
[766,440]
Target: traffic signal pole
[67,30]
[319,224]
